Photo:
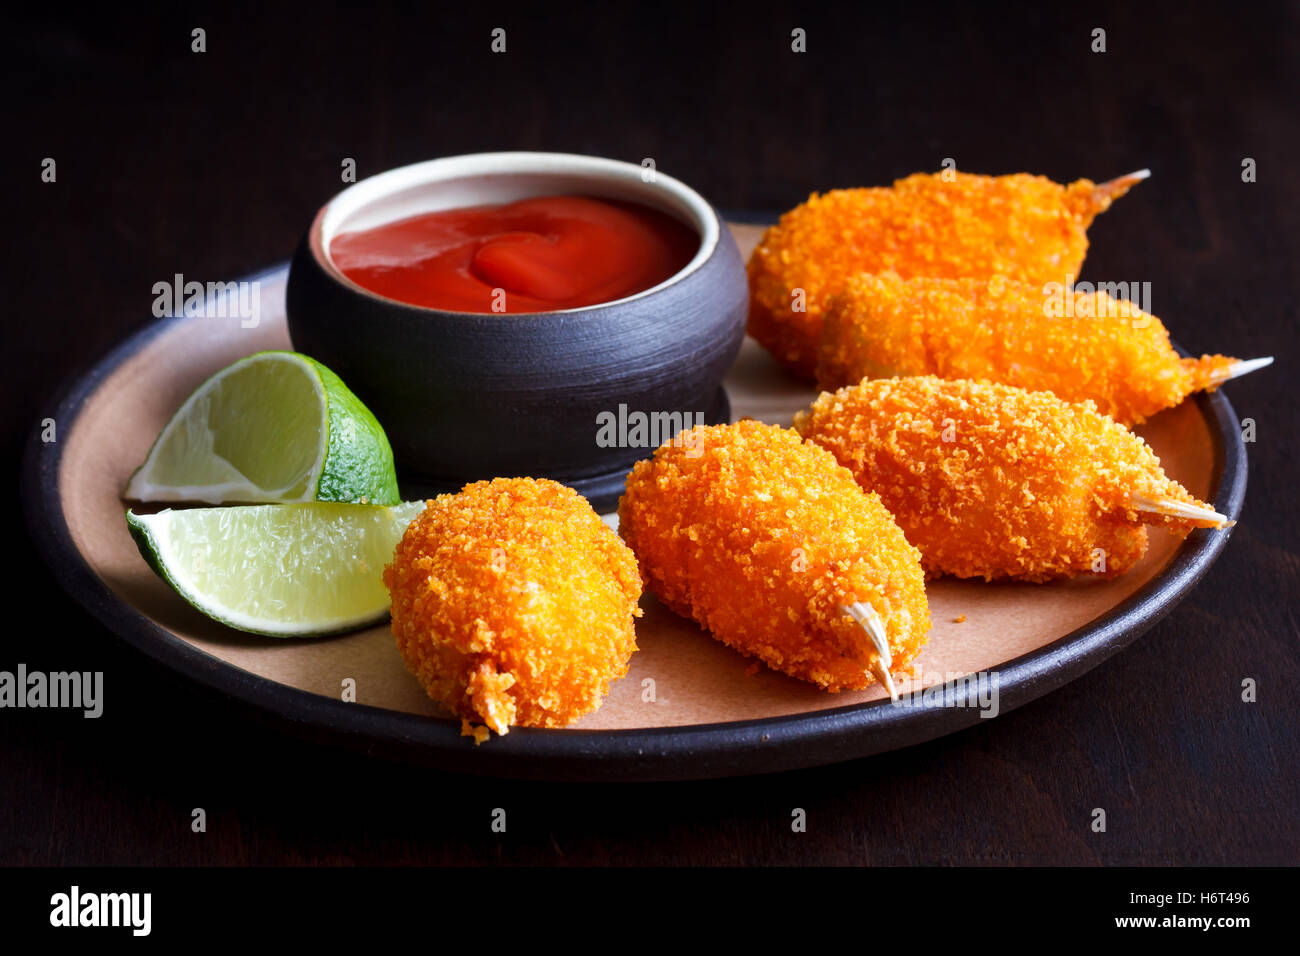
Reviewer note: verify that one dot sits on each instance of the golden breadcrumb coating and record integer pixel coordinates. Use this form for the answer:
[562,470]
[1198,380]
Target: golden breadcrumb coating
[513,604]
[1077,345]
[992,481]
[1021,226]
[763,539]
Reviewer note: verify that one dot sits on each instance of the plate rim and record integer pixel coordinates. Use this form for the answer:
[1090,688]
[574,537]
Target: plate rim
[693,751]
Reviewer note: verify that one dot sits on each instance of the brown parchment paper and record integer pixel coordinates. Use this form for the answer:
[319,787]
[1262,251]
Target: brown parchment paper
[696,679]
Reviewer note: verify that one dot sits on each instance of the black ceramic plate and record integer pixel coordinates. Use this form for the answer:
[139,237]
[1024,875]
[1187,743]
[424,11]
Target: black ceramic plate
[678,752]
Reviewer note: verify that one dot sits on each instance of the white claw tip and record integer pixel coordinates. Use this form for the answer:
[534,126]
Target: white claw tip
[1244,367]
[1234,370]
[870,622]
[1104,193]
[888,681]
[1163,505]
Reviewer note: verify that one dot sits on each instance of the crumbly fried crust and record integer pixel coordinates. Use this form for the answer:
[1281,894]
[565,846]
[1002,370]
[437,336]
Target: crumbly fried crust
[762,538]
[1020,226]
[513,604]
[992,481]
[1081,345]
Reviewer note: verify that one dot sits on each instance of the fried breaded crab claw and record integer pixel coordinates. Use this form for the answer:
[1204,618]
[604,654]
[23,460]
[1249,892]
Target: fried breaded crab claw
[513,604]
[1078,344]
[770,544]
[942,225]
[992,481]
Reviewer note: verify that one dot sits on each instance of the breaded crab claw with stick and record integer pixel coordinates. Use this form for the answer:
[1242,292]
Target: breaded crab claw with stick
[1078,344]
[768,543]
[513,604]
[944,225]
[991,481]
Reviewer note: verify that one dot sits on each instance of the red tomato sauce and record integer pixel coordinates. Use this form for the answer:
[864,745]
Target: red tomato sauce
[535,255]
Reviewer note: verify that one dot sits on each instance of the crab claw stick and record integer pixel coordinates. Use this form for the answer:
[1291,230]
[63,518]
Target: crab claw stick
[1236,369]
[992,481]
[513,604]
[874,627]
[767,542]
[1078,345]
[1103,194]
[1165,505]
[1021,226]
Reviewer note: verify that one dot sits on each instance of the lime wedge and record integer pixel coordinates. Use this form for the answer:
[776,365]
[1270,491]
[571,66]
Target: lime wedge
[294,570]
[276,426]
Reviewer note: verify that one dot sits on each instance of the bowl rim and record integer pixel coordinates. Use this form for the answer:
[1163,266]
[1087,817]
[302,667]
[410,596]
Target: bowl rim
[325,224]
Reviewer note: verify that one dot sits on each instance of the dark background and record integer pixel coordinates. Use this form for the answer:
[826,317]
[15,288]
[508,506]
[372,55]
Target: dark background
[212,165]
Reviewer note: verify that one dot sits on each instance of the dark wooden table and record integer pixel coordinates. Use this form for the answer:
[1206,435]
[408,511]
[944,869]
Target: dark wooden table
[211,165]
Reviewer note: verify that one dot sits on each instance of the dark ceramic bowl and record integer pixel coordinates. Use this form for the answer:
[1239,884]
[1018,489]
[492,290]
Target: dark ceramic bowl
[465,396]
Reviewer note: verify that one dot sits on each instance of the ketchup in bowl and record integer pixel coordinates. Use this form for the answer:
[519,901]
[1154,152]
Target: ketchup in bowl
[534,255]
